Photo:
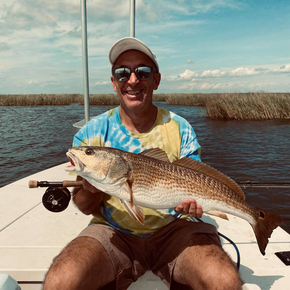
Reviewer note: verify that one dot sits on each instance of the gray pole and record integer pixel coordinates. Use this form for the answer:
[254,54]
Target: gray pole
[132,18]
[85,60]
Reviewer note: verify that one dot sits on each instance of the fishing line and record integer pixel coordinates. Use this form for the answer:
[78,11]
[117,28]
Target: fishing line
[229,240]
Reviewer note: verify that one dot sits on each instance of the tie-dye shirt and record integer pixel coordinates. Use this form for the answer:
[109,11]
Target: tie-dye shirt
[170,132]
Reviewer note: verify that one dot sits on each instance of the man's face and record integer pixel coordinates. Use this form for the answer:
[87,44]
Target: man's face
[135,93]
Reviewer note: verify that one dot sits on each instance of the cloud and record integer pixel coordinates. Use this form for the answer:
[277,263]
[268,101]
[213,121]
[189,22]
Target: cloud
[283,69]
[213,73]
[194,7]
[33,82]
[101,83]
[206,86]
[243,71]
[188,74]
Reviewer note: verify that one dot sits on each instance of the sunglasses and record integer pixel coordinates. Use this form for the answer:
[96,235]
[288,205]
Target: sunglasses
[123,74]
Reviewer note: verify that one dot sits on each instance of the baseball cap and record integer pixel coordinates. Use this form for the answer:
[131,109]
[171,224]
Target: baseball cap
[130,43]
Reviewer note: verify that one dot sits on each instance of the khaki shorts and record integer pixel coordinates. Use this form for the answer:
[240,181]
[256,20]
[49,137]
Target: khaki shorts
[132,256]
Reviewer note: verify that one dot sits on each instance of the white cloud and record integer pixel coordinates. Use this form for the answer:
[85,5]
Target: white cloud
[243,71]
[188,74]
[213,73]
[193,7]
[33,82]
[206,86]
[101,83]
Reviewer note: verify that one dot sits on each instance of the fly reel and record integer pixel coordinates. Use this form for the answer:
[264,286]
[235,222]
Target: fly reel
[56,197]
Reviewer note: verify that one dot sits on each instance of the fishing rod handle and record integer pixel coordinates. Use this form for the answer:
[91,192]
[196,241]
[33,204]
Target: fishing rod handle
[65,183]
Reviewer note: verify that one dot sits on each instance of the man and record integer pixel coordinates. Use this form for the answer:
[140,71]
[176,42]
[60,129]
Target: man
[115,249]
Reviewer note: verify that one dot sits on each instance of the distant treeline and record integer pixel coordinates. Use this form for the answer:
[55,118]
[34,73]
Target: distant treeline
[228,106]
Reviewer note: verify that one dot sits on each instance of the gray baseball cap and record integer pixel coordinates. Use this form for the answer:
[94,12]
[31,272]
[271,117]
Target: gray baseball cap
[130,43]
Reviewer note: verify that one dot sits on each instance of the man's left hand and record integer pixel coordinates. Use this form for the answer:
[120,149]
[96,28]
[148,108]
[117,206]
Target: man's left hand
[189,207]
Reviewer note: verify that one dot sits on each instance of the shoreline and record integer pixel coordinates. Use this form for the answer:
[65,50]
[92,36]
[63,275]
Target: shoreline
[225,106]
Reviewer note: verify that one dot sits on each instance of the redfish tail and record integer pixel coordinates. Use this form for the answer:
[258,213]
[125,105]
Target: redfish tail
[266,223]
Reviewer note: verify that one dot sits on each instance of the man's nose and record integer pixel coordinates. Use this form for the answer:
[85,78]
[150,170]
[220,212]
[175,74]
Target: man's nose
[133,79]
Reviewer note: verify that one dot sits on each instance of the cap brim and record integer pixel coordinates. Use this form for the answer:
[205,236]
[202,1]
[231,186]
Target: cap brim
[130,43]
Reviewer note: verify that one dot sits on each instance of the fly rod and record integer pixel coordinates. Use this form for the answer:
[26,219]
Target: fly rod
[78,183]
[65,183]
[57,197]
[256,184]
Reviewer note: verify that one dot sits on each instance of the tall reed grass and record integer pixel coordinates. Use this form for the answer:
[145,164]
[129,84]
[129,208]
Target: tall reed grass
[249,106]
[56,100]
[227,106]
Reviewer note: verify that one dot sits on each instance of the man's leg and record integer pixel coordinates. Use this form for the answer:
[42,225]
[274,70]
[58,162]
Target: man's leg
[205,265]
[83,264]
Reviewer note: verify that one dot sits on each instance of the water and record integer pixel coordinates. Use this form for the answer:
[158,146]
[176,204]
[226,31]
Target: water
[36,138]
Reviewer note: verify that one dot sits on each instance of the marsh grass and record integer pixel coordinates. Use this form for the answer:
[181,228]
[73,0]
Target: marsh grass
[249,106]
[227,106]
[237,106]
[40,100]
[56,100]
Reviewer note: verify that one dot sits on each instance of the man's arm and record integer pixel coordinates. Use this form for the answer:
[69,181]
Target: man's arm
[87,198]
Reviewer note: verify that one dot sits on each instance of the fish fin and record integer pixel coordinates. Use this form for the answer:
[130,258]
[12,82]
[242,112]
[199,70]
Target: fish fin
[128,186]
[218,214]
[210,171]
[134,211]
[156,153]
[266,222]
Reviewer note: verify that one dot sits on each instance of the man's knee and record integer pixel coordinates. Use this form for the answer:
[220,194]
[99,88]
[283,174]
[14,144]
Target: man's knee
[63,272]
[222,273]
[78,266]
[206,265]
[227,278]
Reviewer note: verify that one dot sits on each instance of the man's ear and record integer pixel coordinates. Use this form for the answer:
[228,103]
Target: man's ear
[113,84]
[157,79]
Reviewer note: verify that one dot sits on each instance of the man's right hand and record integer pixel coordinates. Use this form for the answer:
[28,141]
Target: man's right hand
[87,198]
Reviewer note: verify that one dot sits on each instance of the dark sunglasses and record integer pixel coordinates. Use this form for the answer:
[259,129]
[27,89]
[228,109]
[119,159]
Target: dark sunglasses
[123,74]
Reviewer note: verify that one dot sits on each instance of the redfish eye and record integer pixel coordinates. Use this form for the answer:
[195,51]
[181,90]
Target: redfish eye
[89,151]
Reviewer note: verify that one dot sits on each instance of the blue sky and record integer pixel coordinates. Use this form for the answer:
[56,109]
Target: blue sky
[202,46]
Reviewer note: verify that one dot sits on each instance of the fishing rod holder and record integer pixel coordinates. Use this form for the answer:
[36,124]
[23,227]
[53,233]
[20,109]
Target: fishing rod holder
[56,197]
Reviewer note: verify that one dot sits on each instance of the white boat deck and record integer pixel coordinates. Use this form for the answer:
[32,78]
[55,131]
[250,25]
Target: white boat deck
[31,236]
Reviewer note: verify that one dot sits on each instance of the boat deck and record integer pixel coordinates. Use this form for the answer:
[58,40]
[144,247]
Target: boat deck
[31,236]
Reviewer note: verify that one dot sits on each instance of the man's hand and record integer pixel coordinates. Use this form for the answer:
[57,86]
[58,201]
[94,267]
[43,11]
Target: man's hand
[189,207]
[87,198]
[89,187]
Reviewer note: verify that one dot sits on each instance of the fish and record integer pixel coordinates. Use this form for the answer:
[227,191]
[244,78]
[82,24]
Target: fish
[149,179]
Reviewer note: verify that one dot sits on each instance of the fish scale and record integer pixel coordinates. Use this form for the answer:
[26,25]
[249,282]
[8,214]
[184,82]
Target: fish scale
[174,184]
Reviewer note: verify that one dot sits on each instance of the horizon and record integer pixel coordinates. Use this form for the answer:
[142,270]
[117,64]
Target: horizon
[208,46]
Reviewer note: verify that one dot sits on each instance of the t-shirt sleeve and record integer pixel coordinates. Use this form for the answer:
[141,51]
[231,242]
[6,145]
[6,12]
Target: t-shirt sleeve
[189,143]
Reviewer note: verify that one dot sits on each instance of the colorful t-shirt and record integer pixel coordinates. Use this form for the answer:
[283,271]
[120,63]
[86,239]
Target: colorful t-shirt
[170,132]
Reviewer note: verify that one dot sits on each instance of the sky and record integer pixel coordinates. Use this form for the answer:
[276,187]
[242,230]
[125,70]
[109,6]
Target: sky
[202,46]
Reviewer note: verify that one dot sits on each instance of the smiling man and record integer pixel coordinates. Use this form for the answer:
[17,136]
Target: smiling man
[114,250]
[134,90]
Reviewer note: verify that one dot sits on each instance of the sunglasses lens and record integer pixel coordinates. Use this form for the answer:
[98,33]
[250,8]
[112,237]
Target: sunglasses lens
[143,73]
[122,74]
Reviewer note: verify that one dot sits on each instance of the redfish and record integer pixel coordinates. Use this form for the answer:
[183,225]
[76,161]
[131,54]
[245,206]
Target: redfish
[148,179]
